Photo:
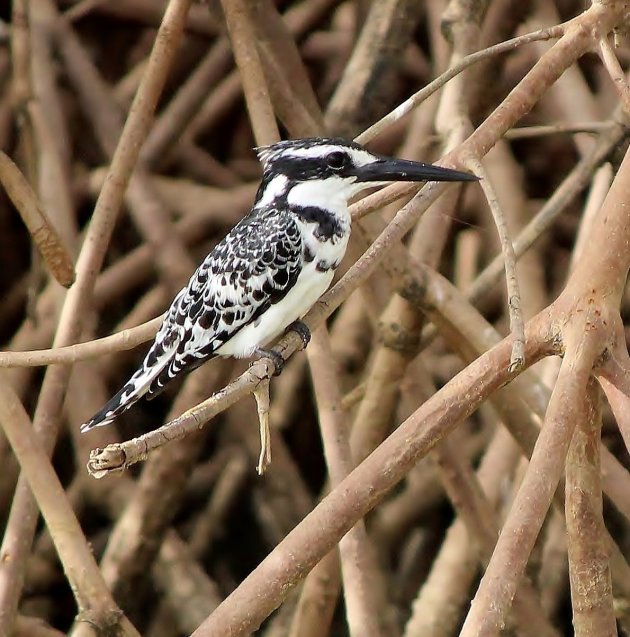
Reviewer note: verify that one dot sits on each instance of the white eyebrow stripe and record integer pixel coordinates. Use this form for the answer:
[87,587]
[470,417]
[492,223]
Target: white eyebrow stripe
[359,157]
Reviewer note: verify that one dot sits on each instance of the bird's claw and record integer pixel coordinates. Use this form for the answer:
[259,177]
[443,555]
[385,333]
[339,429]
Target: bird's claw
[302,331]
[278,361]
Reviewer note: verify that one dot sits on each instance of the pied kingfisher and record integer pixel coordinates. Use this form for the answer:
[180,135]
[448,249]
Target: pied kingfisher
[272,266]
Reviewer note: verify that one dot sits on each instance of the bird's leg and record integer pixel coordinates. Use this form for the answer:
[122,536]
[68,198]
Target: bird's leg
[261,394]
[302,330]
[278,361]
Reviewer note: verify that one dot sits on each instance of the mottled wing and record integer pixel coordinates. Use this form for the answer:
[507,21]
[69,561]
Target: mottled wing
[253,267]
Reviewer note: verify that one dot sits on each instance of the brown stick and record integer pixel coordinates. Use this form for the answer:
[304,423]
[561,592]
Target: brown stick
[243,37]
[469,60]
[496,591]
[43,233]
[591,587]
[76,306]
[94,600]
[322,528]
[363,582]
[589,305]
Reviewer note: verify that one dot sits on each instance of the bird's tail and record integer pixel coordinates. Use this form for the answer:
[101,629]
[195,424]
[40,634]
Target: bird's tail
[115,406]
[134,389]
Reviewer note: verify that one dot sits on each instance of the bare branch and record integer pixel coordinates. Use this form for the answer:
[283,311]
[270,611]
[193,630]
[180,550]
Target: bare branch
[121,341]
[611,64]
[591,587]
[42,232]
[526,132]
[92,595]
[499,583]
[514,298]
[417,98]
[243,37]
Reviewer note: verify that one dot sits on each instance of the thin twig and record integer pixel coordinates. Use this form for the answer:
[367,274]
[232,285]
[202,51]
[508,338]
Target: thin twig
[577,180]
[527,132]
[118,342]
[517,327]
[261,394]
[611,64]
[417,98]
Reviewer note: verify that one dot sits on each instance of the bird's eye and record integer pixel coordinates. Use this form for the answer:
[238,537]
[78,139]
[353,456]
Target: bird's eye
[337,160]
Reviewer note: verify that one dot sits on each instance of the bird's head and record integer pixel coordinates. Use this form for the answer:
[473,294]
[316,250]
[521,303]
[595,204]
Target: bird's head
[328,169]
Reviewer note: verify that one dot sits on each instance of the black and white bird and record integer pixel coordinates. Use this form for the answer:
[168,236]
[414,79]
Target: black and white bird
[272,266]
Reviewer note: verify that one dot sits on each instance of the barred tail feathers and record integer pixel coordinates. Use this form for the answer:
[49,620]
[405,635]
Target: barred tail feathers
[134,389]
[120,402]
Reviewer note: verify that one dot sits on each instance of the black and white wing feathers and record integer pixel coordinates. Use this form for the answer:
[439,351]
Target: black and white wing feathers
[253,267]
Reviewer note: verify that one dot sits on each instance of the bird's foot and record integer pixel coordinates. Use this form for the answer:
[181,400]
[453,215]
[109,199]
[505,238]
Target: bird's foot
[278,361]
[302,330]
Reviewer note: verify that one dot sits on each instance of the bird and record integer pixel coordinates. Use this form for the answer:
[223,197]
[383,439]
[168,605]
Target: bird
[274,264]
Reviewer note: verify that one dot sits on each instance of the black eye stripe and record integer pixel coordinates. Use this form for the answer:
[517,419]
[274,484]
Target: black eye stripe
[305,168]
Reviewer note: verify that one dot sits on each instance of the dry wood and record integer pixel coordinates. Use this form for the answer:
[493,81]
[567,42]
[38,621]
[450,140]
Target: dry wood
[407,385]
[44,235]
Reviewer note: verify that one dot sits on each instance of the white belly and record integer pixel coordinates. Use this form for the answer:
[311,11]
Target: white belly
[309,286]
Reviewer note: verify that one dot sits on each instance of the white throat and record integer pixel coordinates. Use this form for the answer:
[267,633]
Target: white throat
[330,194]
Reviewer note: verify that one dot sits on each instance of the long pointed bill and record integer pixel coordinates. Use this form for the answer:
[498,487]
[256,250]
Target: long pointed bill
[387,169]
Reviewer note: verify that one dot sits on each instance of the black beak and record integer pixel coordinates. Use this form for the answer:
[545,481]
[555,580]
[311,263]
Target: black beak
[387,169]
